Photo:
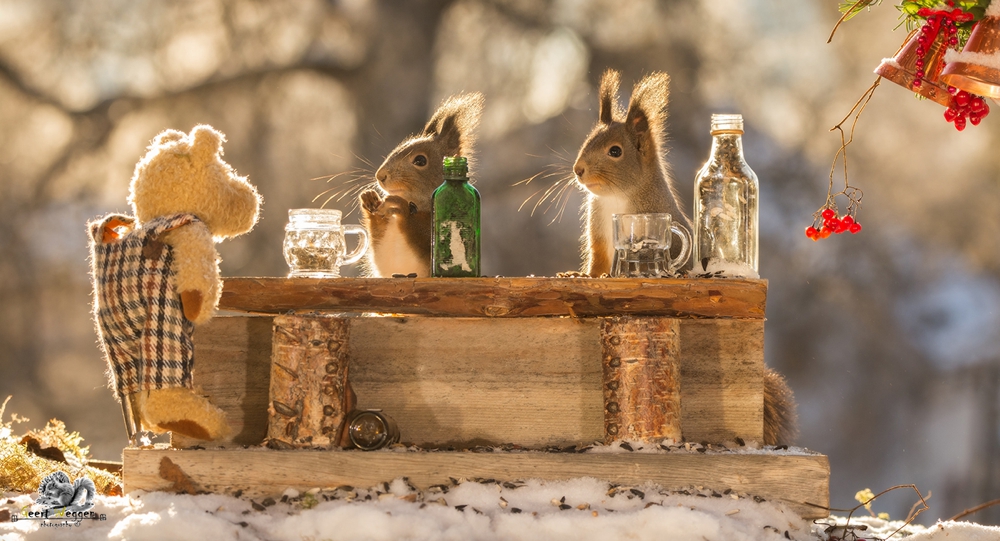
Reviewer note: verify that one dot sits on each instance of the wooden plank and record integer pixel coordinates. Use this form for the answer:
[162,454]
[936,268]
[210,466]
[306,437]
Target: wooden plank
[534,382]
[232,365]
[456,381]
[795,479]
[722,380]
[501,297]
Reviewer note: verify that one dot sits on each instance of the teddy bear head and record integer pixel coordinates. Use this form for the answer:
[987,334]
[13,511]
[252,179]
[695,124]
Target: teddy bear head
[185,173]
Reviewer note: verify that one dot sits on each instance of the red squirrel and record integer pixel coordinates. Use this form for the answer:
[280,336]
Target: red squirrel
[622,170]
[398,213]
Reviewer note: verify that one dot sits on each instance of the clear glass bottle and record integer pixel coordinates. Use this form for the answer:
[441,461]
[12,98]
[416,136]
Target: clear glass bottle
[726,206]
[455,248]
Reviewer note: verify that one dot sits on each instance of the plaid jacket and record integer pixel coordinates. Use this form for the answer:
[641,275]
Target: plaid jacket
[145,337]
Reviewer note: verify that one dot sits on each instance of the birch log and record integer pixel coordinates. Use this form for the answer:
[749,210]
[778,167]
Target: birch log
[310,396]
[642,395]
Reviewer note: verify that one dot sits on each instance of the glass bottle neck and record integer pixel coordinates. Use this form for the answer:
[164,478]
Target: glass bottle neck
[728,142]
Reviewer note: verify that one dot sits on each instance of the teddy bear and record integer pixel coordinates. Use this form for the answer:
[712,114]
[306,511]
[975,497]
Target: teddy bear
[156,275]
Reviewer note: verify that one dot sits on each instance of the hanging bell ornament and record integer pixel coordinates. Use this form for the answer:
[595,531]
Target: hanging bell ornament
[903,69]
[977,68]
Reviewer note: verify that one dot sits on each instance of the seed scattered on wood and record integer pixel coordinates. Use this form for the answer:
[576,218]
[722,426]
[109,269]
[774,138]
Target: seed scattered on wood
[564,507]
[284,409]
[740,442]
[503,503]
[637,492]
[515,510]
[583,506]
[268,502]
[461,507]
[732,512]
[625,445]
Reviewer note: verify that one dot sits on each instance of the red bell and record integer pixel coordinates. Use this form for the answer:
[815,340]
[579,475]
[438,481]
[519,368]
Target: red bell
[902,69]
[977,68]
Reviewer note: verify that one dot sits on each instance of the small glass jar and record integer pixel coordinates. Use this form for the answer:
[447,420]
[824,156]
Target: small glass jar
[371,429]
[314,244]
[726,206]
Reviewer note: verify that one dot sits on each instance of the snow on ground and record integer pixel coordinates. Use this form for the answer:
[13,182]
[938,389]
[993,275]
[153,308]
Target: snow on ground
[579,510]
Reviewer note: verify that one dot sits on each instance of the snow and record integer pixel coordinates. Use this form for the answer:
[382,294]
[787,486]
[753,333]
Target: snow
[578,509]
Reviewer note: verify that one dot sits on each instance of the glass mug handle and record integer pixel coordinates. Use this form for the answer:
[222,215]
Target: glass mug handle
[682,258]
[362,246]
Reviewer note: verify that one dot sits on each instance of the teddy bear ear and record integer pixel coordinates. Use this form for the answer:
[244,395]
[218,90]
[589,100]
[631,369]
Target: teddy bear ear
[206,141]
[167,136]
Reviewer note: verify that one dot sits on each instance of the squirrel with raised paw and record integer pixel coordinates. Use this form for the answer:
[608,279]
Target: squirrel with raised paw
[622,170]
[399,220]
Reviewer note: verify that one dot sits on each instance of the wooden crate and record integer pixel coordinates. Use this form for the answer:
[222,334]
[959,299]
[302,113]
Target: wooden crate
[466,362]
[465,381]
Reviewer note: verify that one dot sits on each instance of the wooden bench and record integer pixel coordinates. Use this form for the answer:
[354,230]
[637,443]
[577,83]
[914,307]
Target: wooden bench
[461,363]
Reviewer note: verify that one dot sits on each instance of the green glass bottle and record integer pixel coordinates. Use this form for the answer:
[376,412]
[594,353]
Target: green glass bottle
[456,208]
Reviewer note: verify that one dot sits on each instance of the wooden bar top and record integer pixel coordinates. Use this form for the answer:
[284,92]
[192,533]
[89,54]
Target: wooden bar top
[501,297]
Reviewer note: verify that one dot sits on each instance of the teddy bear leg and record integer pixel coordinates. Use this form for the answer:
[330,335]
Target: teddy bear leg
[181,410]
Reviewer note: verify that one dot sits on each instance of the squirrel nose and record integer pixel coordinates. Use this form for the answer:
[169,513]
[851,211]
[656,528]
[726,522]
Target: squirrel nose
[579,169]
[381,175]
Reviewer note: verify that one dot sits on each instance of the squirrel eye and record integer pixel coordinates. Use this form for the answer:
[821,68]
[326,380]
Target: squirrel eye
[615,151]
[420,160]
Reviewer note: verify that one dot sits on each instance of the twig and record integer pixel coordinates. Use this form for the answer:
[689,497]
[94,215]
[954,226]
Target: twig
[913,514]
[975,509]
[848,14]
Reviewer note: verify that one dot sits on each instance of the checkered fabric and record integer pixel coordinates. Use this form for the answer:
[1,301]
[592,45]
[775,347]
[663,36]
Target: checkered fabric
[144,334]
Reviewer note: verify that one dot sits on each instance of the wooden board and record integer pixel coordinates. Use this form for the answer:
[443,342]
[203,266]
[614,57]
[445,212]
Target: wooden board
[233,367]
[795,479]
[501,297]
[534,382]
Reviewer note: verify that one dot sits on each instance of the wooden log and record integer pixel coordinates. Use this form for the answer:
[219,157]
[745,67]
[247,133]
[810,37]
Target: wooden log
[468,381]
[501,297]
[309,394]
[796,479]
[641,365]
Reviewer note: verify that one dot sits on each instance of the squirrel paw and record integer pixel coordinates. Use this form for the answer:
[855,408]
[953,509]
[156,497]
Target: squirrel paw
[371,200]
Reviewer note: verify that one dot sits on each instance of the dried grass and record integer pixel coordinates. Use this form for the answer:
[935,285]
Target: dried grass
[22,471]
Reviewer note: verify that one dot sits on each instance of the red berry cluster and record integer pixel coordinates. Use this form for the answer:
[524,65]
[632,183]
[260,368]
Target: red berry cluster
[965,106]
[832,224]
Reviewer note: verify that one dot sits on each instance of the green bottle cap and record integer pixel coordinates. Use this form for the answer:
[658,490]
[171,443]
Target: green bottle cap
[456,167]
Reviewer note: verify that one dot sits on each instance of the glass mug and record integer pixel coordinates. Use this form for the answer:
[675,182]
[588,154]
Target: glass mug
[314,244]
[642,245]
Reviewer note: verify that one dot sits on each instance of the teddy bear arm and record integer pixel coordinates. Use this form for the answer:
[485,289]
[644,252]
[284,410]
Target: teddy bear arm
[197,265]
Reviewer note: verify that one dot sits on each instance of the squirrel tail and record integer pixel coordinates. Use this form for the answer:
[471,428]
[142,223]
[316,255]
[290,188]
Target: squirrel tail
[82,484]
[780,417]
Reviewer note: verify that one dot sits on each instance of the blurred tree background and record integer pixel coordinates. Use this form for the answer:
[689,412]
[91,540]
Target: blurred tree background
[889,337]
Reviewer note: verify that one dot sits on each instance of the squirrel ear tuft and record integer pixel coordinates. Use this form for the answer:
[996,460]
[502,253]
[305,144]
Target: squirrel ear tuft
[206,142]
[609,96]
[647,110]
[454,123]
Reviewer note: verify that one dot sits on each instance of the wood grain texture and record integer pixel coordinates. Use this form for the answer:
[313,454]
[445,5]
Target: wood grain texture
[309,397]
[642,382]
[459,381]
[501,297]
[453,381]
[232,365]
[795,479]
[722,380]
